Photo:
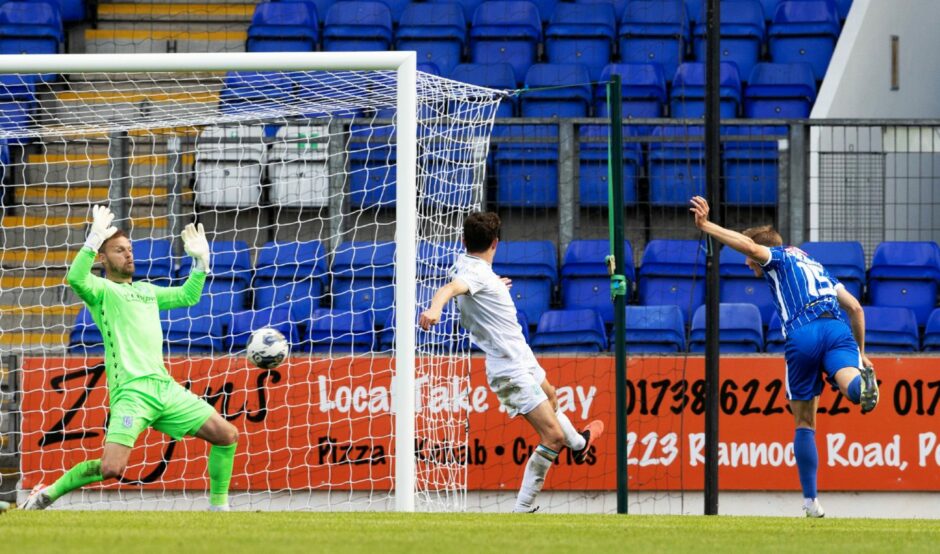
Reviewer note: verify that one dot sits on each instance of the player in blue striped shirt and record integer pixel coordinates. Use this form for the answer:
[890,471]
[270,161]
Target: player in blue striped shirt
[820,346]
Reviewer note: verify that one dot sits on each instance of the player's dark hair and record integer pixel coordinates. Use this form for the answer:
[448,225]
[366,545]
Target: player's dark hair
[480,229]
[765,235]
[119,233]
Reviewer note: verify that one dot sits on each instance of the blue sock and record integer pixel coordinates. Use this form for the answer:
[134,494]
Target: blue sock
[807,460]
[854,390]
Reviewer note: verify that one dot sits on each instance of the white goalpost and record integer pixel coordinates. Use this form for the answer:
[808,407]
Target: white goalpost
[333,187]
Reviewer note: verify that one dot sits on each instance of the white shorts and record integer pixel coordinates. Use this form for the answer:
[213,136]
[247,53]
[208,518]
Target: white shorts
[519,389]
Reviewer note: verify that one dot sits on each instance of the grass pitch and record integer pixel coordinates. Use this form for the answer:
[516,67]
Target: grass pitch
[270,533]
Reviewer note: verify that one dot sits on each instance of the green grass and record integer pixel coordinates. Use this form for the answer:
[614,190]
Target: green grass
[269,533]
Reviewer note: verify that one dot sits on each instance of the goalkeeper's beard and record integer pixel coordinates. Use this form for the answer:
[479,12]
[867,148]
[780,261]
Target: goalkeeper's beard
[122,271]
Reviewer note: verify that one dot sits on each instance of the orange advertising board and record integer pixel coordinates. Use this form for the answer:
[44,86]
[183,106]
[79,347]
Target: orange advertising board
[326,423]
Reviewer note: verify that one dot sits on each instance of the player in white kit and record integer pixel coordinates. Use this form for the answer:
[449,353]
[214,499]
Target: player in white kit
[513,373]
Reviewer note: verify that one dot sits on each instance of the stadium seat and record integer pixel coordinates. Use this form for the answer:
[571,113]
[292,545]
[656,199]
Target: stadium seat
[227,284]
[283,27]
[741,329]
[469,6]
[357,26]
[932,332]
[153,260]
[673,272]
[676,165]
[654,32]
[585,282]
[362,275]
[557,90]
[533,268]
[498,76]
[30,28]
[844,6]
[739,286]
[592,174]
[770,8]
[437,32]
[439,339]
[905,274]
[742,34]
[805,31]
[249,91]
[570,331]
[843,260]
[582,33]
[775,341]
[339,332]
[506,31]
[780,90]
[372,170]
[527,173]
[642,90]
[687,99]
[751,166]
[191,331]
[17,102]
[618,5]
[654,330]
[245,323]
[71,11]
[435,259]
[890,330]
[322,6]
[85,337]
[286,271]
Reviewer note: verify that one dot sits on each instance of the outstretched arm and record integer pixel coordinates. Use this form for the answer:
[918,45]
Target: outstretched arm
[733,239]
[856,319]
[196,245]
[432,315]
[89,287]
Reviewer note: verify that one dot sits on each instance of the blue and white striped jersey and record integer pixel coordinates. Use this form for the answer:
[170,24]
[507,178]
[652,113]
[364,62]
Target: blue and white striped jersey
[802,288]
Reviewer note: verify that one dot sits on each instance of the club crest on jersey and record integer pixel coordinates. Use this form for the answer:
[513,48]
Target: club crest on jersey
[128,421]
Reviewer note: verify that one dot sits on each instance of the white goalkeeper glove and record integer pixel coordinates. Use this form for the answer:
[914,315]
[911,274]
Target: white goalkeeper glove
[196,245]
[101,228]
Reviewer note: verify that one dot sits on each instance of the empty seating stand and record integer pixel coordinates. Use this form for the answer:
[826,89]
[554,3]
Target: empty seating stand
[654,330]
[362,275]
[506,31]
[739,285]
[17,102]
[654,32]
[740,329]
[533,268]
[906,274]
[742,34]
[593,170]
[932,332]
[358,26]
[843,260]
[805,31]
[570,331]
[339,332]
[153,261]
[30,28]
[687,99]
[780,90]
[229,278]
[642,94]
[192,330]
[287,271]
[582,33]
[284,27]
[585,282]
[751,166]
[673,272]
[890,330]
[557,90]
[676,165]
[437,32]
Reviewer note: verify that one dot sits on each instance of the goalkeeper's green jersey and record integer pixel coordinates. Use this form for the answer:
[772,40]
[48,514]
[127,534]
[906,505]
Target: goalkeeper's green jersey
[128,315]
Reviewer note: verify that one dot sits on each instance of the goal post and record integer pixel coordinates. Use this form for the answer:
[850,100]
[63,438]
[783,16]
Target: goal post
[438,134]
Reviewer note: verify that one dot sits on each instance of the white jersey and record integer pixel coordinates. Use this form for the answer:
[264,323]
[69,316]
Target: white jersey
[487,311]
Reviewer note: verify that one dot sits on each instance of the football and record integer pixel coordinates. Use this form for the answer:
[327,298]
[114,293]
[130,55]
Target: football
[267,348]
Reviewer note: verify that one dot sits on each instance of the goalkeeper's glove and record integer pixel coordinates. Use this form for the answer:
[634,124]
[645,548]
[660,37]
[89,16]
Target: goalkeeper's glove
[196,245]
[101,228]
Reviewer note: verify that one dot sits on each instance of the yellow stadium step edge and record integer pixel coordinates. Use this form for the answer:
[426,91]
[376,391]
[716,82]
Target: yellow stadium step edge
[145,11]
[36,256]
[76,194]
[79,160]
[55,310]
[31,281]
[138,35]
[34,221]
[13,339]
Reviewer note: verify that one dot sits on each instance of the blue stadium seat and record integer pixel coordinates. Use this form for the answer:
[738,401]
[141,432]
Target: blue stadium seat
[642,90]
[358,26]
[584,279]
[654,330]
[770,8]
[71,11]
[437,32]
[739,286]
[843,260]
[805,31]
[534,271]
[654,32]
[582,33]
[932,332]
[673,272]
[557,90]
[507,31]
[592,174]
[322,6]
[527,173]
[283,27]
[85,336]
[250,91]
[844,6]
[619,6]
[676,165]
[438,339]
[469,6]
[775,341]
[339,332]
[780,90]
[890,330]
[153,260]
[191,331]
[30,28]
[245,323]
[742,34]
[905,274]
[287,270]
[687,99]
[436,258]
[498,76]
[227,284]
[17,101]
[362,275]
[751,166]
[741,329]
[570,331]
[372,174]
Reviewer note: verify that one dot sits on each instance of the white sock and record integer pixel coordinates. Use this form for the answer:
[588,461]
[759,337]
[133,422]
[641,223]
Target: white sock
[808,502]
[534,477]
[573,438]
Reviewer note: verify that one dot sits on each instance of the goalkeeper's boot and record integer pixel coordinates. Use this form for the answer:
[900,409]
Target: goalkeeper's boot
[37,499]
[814,510]
[591,433]
[869,397]
[530,511]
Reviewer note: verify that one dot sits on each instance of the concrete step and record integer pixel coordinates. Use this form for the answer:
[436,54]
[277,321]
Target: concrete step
[14,341]
[82,170]
[84,193]
[38,296]
[11,222]
[37,319]
[158,38]
[36,258]
[176,11]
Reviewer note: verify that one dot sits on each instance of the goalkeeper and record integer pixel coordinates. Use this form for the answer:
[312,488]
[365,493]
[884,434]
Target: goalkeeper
[142,393]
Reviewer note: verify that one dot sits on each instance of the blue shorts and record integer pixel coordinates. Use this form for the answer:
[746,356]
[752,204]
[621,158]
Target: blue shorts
[816,351]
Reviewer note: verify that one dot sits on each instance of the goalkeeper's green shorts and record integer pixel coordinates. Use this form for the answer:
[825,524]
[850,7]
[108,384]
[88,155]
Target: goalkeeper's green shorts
[162,404]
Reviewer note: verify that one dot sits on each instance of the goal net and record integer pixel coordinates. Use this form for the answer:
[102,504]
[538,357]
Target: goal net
[333,199]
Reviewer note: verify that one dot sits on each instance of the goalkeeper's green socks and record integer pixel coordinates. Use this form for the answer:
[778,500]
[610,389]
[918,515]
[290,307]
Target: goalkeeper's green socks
[82,474]
[221,459]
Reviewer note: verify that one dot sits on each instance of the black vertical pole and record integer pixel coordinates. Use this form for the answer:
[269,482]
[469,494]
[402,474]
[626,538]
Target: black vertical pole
[618,283]
[713,182]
